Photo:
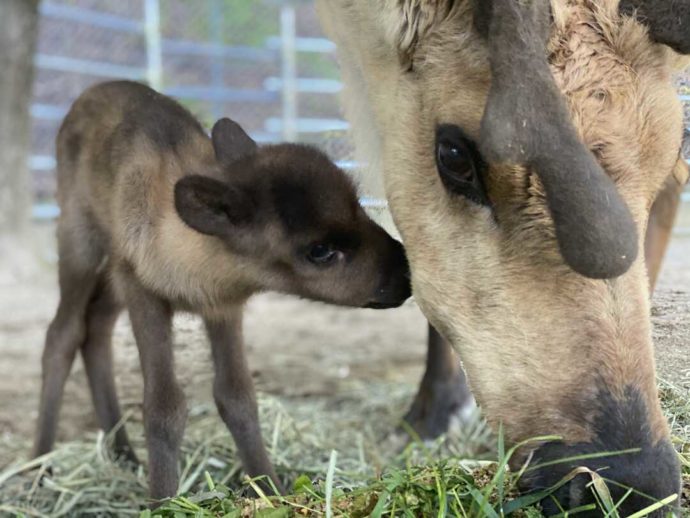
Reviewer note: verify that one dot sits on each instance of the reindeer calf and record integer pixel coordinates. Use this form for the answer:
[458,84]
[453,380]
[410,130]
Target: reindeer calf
[158,217]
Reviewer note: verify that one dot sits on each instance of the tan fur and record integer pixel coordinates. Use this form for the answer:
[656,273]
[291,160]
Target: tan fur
[145,232]
[536,339]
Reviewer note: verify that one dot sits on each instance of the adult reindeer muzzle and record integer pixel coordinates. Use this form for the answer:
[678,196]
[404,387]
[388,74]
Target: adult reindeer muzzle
[526,122]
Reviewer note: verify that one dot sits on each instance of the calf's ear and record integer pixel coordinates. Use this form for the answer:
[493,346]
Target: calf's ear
[213,207]
[231,142]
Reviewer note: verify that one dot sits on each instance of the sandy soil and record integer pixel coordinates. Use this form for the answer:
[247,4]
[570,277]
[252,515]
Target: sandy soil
[296,348]
[671,309]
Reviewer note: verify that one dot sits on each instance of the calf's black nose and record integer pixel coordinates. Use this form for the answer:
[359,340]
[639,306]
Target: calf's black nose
[394,288]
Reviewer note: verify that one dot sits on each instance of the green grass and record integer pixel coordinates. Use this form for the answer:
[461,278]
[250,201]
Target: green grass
[336,455]
[440,489]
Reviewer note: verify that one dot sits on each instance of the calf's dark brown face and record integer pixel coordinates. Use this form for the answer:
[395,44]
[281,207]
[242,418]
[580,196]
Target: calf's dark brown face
[295,216]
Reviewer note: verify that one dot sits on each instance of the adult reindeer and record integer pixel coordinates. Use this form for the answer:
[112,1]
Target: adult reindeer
[523,145]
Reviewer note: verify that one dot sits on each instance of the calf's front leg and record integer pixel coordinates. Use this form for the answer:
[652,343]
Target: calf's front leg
[233,391]
[165,410]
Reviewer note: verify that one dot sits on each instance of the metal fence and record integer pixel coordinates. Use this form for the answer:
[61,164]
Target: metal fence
[270,69]
[263,63]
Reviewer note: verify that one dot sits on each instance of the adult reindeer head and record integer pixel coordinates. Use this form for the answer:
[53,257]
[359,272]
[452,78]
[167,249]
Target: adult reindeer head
[522,144]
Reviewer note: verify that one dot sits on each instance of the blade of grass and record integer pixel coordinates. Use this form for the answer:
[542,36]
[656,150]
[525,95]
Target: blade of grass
[458,501]
[260,492]
[380,504]
[576,510]
[658,505]
[209,481]
[485,508]
[329,483]
[586,456]
[500,473]
[602,494]
[441,492]
[620,502]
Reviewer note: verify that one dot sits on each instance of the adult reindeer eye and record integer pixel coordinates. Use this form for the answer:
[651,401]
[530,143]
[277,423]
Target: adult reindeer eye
[455,160]
[459,164]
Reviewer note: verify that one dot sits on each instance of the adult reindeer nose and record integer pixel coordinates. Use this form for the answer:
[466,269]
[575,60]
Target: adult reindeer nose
[648,475]
[640,467]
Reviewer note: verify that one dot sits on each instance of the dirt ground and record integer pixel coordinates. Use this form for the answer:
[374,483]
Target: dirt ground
[296,348]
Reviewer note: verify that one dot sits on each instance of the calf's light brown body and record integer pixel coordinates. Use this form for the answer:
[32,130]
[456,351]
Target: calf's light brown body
[160,218]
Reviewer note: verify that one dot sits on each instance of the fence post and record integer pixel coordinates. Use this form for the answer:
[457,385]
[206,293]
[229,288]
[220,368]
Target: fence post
[154,47]
[18,34]
[289,71]
[216,20]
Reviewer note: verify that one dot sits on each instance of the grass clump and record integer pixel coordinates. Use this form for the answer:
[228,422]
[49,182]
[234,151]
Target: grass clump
[373,472]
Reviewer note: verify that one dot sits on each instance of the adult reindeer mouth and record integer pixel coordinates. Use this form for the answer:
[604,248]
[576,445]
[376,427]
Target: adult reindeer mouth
[622,452]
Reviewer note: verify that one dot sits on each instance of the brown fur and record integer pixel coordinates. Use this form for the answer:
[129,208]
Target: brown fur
[158,217]
[539,342]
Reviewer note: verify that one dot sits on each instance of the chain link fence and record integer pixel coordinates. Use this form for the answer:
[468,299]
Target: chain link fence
[263,63]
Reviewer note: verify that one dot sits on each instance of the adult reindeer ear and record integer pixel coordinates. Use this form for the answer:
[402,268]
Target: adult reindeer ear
[668,20]
[213,207]
[526,122]
[231,142]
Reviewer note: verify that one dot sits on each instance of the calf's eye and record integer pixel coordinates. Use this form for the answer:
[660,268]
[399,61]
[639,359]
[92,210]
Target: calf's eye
[322,254]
